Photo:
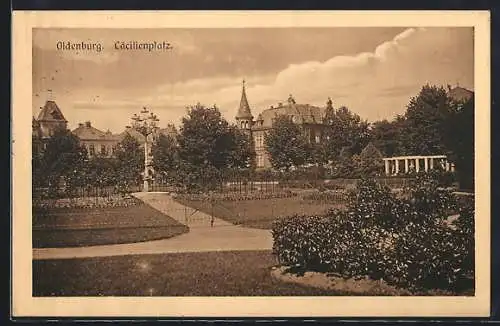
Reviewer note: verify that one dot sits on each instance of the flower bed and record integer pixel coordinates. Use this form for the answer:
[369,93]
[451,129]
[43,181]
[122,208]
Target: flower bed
[236,196]
[327,196]
[404,242]
[87,202]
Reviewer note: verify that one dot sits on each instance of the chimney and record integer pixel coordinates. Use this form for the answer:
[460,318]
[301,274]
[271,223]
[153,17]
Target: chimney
[87,124]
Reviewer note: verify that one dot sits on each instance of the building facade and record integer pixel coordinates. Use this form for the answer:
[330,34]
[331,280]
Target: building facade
[310,118]
[49,120]
[97,142]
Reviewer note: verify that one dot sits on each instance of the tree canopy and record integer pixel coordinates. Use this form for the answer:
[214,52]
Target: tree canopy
[345,130]
[204,138]
[424,122]
[459,140]
[165,156]
[208,145]
[63,157]
[130,161]
[286,144]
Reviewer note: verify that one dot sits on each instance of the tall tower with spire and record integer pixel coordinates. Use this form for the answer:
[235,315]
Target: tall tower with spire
[244,117]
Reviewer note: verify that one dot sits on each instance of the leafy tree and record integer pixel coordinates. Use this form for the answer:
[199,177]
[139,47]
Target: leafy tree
[385,135]
[370,161]
[459,139]
[208,145]
[204,138]
[243,152]
[286,144]
[63,159]
[100,171]
[424,122]
[346,164]
[37,165]
[345,129]
[130,162]
[165,156]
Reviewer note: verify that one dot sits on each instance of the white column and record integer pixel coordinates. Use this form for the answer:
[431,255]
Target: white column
[432,163]
[426,164]
[406,165]
[447,166]
[417,164]
[146,185]
[397,166]
[386,167]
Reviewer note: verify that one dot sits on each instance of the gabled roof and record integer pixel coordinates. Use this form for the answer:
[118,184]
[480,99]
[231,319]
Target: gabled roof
[51,112]
[244,109]
[460,94]
[87,132]
[132,132]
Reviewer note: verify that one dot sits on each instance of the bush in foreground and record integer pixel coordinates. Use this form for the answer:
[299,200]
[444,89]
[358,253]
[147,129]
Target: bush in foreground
[404,241]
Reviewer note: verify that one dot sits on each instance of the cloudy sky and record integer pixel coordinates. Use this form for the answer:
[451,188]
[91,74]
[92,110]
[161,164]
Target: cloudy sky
[373,71]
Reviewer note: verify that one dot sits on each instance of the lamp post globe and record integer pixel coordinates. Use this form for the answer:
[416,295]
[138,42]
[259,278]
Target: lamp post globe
[146,123]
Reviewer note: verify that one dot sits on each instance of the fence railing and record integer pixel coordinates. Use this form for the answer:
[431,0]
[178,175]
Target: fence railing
[81,192]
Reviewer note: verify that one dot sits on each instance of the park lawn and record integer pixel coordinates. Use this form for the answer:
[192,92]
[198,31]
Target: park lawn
[77,227]
[259,213]
[243,273]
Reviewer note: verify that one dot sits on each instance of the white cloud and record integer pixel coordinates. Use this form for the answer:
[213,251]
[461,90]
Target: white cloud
[376,84]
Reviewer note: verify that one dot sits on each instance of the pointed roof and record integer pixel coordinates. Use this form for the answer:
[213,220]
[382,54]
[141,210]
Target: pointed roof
[244,109]
[51,112]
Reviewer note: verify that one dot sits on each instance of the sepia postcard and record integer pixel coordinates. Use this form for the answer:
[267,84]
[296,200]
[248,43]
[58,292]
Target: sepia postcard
[251,164]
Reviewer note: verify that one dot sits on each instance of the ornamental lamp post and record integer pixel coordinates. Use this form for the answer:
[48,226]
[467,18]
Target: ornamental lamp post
[146,124]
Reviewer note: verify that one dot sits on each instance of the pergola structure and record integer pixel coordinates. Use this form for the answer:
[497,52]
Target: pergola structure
[405,164]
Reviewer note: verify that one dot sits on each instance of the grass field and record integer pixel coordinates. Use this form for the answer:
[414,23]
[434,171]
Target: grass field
[259,213]
[245,273]
[75,227]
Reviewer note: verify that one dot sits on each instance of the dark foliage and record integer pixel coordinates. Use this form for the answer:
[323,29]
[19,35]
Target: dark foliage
[405,241]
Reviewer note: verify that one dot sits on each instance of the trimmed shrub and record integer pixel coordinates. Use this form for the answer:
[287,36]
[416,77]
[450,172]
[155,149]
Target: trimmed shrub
[404,241]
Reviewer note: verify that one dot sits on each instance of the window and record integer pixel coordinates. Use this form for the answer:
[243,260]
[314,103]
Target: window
[91,150]
[104,150]
[317,137]
[259,140]
[260,160]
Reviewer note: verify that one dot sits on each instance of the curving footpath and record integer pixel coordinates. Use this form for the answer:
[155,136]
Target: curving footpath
[202,236]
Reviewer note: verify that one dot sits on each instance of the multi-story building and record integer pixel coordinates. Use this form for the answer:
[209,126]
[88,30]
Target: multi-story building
[50,119]
[97,142]
[309,117]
